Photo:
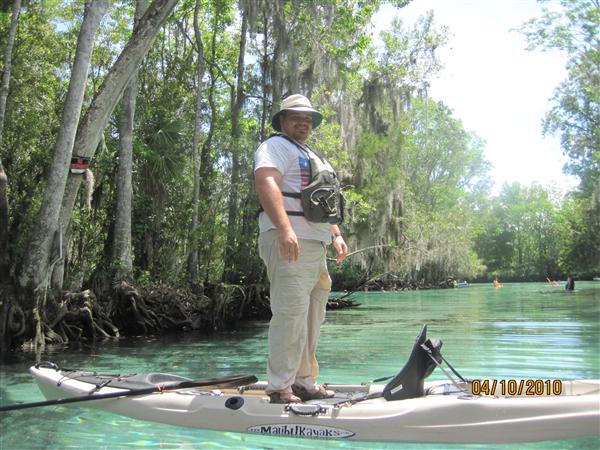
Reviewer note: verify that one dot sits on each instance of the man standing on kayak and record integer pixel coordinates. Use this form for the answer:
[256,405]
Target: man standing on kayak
[296,225]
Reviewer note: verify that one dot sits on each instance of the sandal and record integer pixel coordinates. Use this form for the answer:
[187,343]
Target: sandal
[283,397]
[306,395]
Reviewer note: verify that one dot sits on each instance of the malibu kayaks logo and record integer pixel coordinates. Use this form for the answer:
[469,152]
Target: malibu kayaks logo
[301,430]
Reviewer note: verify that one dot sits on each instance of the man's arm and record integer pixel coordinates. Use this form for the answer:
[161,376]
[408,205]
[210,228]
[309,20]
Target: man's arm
[267,181]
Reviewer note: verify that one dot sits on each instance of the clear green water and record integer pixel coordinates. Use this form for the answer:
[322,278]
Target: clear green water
[524,330]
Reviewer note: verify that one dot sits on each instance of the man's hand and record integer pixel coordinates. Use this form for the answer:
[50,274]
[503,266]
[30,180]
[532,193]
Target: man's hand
[288,244]
[341,248]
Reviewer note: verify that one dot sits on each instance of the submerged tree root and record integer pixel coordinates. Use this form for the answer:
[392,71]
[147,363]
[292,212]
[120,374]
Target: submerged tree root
[132,311]
[77,316]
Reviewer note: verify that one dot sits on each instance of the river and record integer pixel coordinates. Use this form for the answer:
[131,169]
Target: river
[523,330]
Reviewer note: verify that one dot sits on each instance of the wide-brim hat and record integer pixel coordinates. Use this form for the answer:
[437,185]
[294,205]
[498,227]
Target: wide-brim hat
[296,102]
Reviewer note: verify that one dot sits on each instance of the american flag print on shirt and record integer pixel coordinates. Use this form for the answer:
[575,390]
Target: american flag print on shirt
[304,164]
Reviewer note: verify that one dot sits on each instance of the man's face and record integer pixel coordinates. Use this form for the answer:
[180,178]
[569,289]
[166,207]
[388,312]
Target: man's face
[296,125]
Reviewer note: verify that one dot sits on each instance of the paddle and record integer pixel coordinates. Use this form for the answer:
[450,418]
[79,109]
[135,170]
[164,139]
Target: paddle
[236,380]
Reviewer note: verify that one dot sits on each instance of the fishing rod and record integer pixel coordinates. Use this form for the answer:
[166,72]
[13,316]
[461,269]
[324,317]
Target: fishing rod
[365,249]
[360,286]
[232,381]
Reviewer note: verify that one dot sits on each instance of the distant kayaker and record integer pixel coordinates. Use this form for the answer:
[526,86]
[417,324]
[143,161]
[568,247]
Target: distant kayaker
[570,284]
[302,207]
[497,284]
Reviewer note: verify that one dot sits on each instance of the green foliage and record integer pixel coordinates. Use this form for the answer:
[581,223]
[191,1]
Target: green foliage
[579,227]
[575,114]
[32,115]
[522,237]
[419,177]
[416,182]
[575,117]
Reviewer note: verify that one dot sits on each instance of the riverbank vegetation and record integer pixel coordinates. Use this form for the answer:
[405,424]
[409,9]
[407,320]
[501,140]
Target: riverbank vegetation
[126,192]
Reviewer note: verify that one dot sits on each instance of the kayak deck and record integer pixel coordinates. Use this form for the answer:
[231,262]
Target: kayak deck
[447,413]
[406,409]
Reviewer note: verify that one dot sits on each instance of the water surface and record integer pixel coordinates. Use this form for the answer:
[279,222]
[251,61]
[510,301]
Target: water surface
[524,330]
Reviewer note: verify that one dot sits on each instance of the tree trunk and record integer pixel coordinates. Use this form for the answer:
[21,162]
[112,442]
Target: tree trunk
[8,63]
[280,35]
[237,102]
[34,276]
[4,261]
[97,116]
[266,108]
[192,262]
[37,261]
[205,215]
[121,246]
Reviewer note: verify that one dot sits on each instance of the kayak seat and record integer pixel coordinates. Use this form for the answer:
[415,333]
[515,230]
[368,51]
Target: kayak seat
[410,381]
[135,381]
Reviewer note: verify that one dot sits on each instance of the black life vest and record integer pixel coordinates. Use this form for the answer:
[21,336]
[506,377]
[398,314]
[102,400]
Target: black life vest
[322,200]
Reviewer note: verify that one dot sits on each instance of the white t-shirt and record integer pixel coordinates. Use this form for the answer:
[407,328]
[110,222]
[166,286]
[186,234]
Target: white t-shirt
[294,166]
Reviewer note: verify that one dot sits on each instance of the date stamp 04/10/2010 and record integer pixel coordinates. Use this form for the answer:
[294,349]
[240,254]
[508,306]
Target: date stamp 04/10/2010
[516,387]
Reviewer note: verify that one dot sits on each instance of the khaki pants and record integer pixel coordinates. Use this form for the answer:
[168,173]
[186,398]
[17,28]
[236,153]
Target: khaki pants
[299,293]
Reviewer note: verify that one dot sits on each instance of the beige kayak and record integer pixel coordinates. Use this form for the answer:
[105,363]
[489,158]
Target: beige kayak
[405,409]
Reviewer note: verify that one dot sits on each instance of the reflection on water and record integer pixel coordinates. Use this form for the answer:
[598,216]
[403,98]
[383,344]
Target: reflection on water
[523,330]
